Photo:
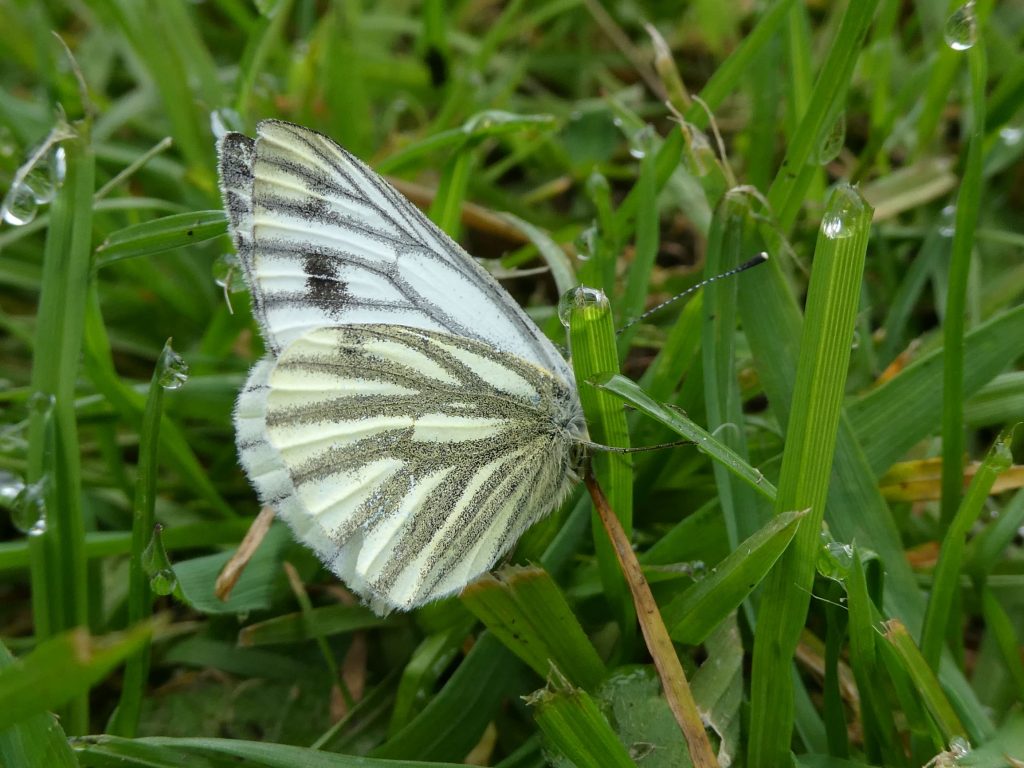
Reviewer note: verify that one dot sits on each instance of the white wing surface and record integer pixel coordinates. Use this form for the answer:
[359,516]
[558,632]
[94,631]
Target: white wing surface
[409,459]
[325,241]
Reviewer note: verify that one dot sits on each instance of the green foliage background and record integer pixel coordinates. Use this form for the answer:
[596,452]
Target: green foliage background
[839,589]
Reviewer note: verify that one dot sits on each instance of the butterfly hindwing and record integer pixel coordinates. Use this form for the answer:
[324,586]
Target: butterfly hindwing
[418,456]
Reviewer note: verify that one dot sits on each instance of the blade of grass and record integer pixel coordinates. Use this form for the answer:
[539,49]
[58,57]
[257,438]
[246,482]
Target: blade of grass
[728,246]
[880,733]
[832,303]
[592,342]
[575,727]
[945,581]
[166,752]
[925,682]
[125,721]
[798,169]
[63,668]
[525,609]
[968,207]
[697,612]
[36,740]
[61,602]
[159,235]
[678,422]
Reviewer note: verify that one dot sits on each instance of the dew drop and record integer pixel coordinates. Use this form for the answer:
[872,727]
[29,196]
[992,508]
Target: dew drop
[10,487]
[19,206]
[947,221]
[174,370]
[36,182]
[597,186]
[28,509]
[641,142]
[45,177]
[580,297]
[586,243]
[224,120]
[157,566]
[833,141]
[42,402]
[845,207]
[1011,135]
[7,143]
[961,30]
[834,559]
[959,747]
[227,271]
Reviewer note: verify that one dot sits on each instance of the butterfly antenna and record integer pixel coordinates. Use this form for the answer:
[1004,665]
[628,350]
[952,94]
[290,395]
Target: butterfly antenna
[761,258]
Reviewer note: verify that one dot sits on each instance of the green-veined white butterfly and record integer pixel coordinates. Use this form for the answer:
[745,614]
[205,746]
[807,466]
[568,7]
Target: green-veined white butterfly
[409,421]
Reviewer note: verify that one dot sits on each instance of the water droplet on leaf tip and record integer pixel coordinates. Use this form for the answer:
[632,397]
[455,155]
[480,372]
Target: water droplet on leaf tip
[28,509]
[578,298]
[845,207]
[833,141]
[174,372]
[961,30]
[163,582]
[19,206]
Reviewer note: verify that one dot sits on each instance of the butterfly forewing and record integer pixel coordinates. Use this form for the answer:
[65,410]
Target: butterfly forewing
[409,420]
[416,443]
[326,241]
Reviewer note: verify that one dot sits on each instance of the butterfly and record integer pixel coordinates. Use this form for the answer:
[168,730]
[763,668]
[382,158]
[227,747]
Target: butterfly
[408,421]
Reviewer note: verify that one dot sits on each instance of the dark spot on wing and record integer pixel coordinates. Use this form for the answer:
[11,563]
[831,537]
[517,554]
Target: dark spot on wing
[325,288]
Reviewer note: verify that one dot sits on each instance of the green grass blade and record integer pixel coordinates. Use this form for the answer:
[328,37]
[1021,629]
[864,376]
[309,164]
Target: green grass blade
[575,727]
[219,753]
[35,740]
[159,235]
[890,419]
[833,299]
[968,207]
[798,168]
[140,595]
[678,422]
[592,342]
[697,612]
[524,609]
[926,683]
[452,722]
[62,303]
[319,622]
[945,581]
[61,669]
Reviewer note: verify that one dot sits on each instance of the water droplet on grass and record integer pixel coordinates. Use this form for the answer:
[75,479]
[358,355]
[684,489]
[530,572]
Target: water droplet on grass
[833,141]
[174,371]
[844,210]
[19,206]
[578,298]
[961,30]
[156,564]
[36,182]
[947,221]
[28,509]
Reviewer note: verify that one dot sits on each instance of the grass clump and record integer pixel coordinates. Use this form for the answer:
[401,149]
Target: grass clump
[838,555]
